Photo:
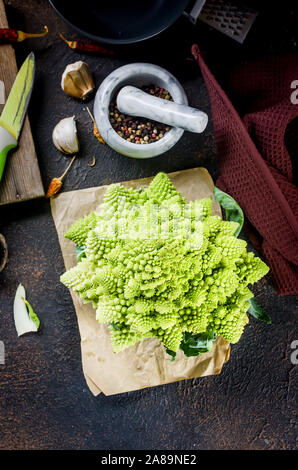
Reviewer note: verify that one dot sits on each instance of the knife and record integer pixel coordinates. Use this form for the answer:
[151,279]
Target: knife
[14,112]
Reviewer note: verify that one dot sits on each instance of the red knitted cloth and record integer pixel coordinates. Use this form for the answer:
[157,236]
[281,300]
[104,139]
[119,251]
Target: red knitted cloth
[254,163]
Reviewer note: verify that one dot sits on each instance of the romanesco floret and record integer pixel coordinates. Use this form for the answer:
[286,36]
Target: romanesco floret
[155,266]
[162,188]
[229,321]
[78,232]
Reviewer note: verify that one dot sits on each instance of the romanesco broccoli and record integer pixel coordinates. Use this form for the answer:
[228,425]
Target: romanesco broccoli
[158,267]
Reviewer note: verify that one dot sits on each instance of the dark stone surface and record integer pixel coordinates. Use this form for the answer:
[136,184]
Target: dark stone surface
[44,400]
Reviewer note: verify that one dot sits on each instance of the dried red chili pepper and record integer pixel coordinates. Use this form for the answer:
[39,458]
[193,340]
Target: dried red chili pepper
[13,35]
[87,47]
[8,34]
[56,183]
[95,128]
[54,187]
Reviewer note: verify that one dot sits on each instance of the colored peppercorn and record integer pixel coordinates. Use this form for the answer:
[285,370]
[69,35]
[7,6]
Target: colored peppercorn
[139,130]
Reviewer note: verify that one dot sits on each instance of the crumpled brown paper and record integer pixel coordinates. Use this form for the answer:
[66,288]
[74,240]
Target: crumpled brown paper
[146,364]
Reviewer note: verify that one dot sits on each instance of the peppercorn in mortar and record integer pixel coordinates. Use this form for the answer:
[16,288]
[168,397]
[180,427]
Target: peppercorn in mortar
[139,130]
[155,266]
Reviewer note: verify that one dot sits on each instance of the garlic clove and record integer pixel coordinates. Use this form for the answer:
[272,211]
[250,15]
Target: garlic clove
[65,136]
[77,80]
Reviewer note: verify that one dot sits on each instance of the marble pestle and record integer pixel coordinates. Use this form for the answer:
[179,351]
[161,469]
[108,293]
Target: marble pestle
[135,102]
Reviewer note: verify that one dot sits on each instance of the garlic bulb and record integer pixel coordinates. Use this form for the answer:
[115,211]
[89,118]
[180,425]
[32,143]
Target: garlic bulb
[65,137]
[77,80]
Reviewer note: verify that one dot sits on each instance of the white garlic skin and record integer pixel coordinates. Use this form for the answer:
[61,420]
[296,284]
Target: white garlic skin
[65,136]
[77,80]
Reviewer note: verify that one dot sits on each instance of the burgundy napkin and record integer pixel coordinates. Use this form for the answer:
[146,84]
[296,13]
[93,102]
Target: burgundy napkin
[254,162]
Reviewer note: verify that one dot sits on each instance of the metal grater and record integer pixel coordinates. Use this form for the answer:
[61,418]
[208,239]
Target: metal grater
[231,18]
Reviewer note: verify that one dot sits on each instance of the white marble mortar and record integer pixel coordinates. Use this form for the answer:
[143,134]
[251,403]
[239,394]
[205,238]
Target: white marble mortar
[138,74]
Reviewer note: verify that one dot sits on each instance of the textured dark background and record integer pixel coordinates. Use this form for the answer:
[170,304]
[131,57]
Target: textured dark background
[44,400]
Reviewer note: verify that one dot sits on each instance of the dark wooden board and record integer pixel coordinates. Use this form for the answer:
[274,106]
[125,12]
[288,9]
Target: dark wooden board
[21,179]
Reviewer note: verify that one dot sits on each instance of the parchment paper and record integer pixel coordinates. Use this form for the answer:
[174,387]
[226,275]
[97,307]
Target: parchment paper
[146,364]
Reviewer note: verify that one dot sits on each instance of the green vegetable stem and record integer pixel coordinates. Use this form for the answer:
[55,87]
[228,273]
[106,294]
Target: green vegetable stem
[31,313]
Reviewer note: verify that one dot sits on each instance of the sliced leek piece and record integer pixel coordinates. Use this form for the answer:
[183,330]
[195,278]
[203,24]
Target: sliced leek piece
[24,321]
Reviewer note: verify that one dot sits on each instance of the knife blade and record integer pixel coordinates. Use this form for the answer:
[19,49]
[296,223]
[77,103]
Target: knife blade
[15,109]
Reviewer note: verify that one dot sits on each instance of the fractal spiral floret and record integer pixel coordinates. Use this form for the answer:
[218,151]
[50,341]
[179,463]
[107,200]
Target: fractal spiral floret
[155,266]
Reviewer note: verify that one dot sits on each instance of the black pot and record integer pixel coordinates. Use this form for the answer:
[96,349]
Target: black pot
[120,21]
